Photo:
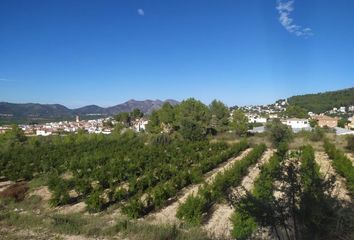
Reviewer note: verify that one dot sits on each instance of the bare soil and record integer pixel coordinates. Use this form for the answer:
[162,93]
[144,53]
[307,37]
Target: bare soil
[43,192]
[219,224]
[74,208]
[340,191]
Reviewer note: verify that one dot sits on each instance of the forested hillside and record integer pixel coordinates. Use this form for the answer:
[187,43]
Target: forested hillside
[321,102]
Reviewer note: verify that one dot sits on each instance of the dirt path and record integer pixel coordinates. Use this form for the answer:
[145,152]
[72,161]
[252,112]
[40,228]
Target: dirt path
[340,190]
[167,215]
[219,224]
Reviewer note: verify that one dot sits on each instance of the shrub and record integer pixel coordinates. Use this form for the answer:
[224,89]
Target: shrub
[95,201]
[316,134]
[134,209]
[192,210]
[278,132]
[244,225]
[60,190]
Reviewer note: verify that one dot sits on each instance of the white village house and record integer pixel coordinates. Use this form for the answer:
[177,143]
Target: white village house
[297,123]
[43,132]
[140,125]
[256,119]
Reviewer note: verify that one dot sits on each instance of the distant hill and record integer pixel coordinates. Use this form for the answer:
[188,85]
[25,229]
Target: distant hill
[321,102]
[27,112]
[33,110]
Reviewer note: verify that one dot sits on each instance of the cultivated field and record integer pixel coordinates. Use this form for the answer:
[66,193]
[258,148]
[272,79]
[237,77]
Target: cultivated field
[127,188]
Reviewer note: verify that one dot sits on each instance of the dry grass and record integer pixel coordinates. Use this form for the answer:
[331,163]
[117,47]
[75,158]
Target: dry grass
[339,141]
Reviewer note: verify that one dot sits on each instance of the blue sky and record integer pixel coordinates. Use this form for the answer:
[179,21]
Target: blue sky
[79,52]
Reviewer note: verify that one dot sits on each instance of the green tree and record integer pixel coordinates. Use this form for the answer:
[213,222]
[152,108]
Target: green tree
[294,111]
[154,125]
[136,113]
[313,123]
[161,139]
[194,111]
[15,135]
[342,122]
[239,122]
[191,130]
[124,117]
[219,116]
[118,128]
[166,113]
[278,132]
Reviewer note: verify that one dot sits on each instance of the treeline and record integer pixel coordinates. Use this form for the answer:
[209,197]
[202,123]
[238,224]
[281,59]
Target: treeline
[322,102]
[193,120]
[293,200]
[193,210]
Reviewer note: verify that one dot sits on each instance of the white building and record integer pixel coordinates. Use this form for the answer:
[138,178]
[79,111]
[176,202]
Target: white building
[40,132]
[342,109]
[256,119]
[311,114]
[140,125]
[272,116]
[296,123]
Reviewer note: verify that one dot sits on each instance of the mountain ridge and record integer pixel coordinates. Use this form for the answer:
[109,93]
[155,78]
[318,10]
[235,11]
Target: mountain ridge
[37,111]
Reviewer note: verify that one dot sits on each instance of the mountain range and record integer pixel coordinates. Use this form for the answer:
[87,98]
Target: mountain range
[34,111]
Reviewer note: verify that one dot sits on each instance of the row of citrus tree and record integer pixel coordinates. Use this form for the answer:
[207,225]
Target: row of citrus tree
[341,163]
[103,179]
[193,210]
[243,222]
[157,196]
[293,200]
